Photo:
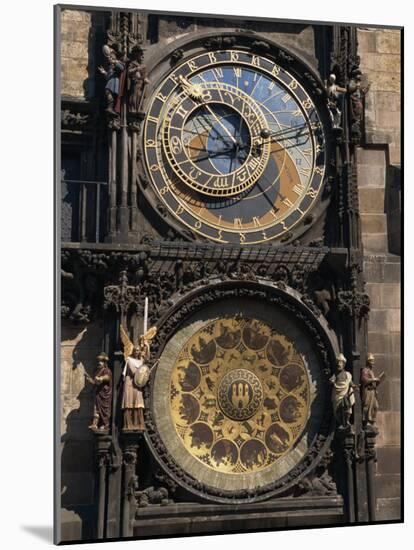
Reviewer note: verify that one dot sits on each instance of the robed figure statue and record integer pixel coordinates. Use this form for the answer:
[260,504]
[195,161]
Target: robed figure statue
[102,383]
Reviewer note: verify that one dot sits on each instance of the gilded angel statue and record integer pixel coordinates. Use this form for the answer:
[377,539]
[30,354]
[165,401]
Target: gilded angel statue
[135,374]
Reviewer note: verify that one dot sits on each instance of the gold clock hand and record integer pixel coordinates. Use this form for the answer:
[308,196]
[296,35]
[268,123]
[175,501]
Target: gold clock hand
[221,124]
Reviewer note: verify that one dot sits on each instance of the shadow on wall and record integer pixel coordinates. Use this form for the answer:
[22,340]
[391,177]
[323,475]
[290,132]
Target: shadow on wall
[77,451]
[393,208]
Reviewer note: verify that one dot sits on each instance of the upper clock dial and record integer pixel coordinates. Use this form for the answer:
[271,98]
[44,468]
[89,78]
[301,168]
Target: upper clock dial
[235,147]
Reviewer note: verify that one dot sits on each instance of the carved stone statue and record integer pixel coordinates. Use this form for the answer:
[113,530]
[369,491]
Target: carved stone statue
[335,98]
[343,398]
[137,79]
[369,395]
[357,93]
[114,75]
[135,375]
[102,382]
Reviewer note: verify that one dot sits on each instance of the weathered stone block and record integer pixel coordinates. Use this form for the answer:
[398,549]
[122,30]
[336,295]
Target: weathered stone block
[384,393]
[388,41]
[387,101]
[371,200]
[388,485]
[395,153]
[372,175]
[388,460]
[371,156]
[378,269]
[385,343]
[375,242]
[380,62]
[389,425]
[70,525]
[395,393]
[388,509]
[386,320]
[374,223]
[366,40]
[388,119]
[382,81]
[69,16]
[384,295]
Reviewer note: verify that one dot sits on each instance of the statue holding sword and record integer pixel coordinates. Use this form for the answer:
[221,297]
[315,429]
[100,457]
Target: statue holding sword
[135,375]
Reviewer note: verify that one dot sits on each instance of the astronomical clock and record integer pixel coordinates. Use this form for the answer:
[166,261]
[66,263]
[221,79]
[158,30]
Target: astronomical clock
[232,228]
[235,147]
[235,151]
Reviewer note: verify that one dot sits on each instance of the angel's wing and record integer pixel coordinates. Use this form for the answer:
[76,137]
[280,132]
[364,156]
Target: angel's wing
[150,334]
[128,345]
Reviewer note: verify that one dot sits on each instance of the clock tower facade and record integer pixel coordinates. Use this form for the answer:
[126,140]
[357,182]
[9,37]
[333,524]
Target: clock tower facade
[210,190]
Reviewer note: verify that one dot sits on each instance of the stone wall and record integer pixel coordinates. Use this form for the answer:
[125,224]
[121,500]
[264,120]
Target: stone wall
[78,50]
[379,194]
[79,348]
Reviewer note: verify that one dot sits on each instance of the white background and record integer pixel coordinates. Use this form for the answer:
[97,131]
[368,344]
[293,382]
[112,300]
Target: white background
[26,229]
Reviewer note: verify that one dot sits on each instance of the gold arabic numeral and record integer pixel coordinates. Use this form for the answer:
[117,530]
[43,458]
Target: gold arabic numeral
[230,97]
[176,145]
[192,65]
[150,143]
[161,97]
[312,193]
[164,190]
[220,235]
[286,98]
[319,170]
[264,235]
[276,70]
[234,56]
[237,71]
[256,222]
[218,71]
[212,57]
[242,238]
[197,224]
[179,210]
[293,84]
[307,104]
[256,61]
[238,224]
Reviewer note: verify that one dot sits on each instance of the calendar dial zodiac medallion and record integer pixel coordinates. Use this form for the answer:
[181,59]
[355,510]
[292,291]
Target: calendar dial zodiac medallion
[239,395]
